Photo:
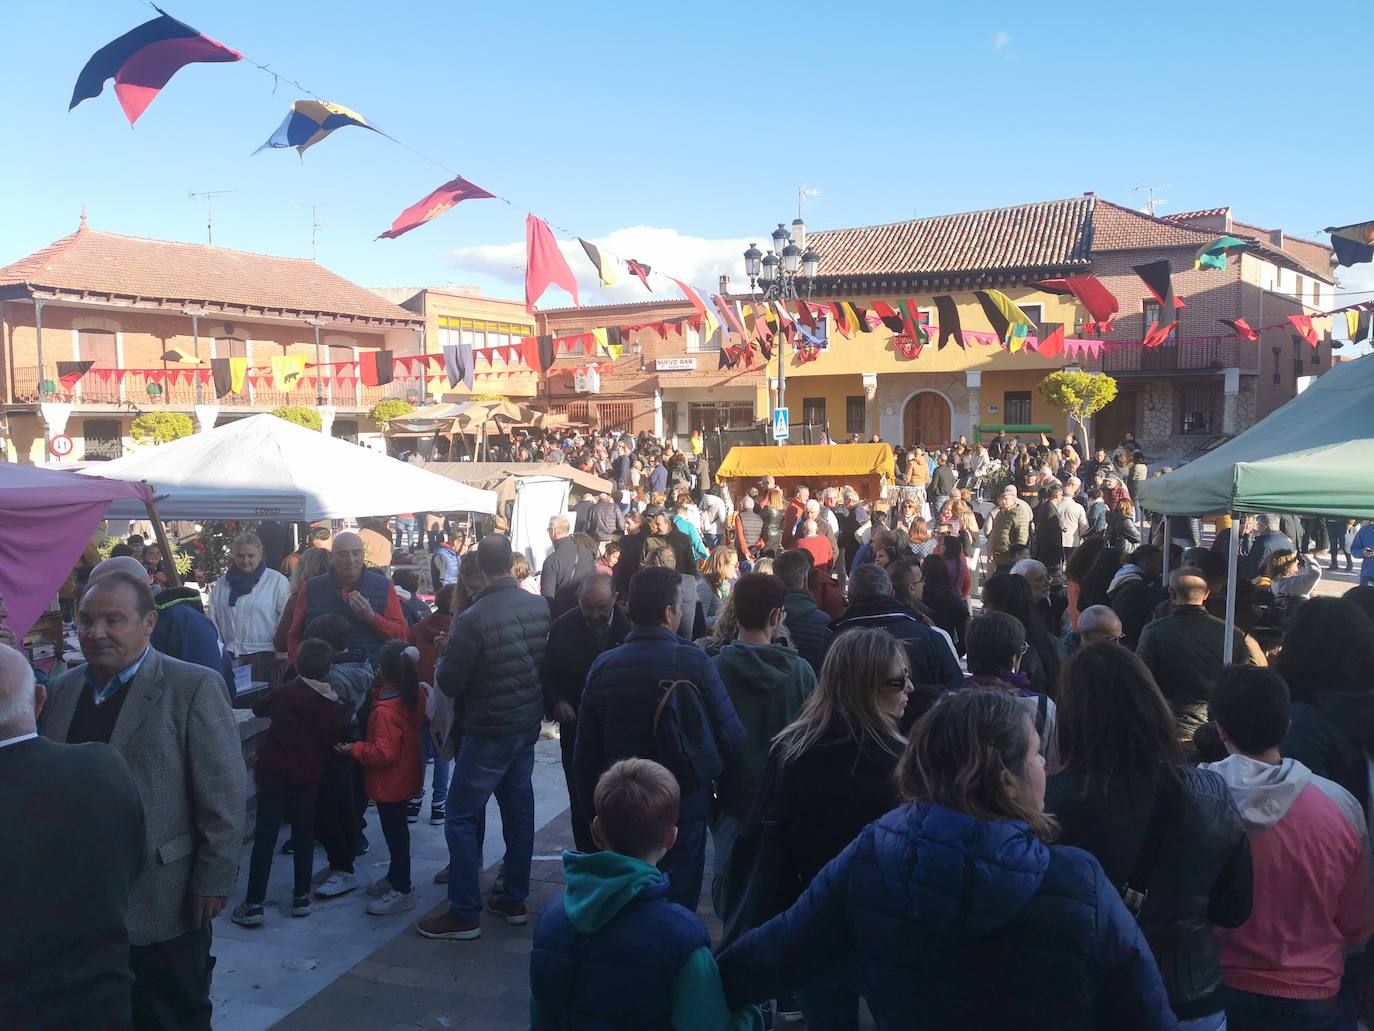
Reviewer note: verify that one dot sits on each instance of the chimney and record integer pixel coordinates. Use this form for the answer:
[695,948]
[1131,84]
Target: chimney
[1276,238]
[724,285]
[1089,193]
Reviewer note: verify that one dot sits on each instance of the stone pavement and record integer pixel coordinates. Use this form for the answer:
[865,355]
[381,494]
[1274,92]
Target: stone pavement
[264,973]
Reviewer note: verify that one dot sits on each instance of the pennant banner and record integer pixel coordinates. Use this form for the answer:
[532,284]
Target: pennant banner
[310,121]
[545,265]
[450,194]
[604,264]
[70,373]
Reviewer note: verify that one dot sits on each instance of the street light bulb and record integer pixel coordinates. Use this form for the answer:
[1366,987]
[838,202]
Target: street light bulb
[751,261]
[791,259]
[779,238]
[768,268]
[811,263]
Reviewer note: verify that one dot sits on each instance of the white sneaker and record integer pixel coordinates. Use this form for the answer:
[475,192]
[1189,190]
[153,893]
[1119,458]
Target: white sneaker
[321,875]
[378,888]
[337,883]
[392,902]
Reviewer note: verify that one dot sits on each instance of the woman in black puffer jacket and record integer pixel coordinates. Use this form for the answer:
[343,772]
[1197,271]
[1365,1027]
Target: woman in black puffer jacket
[1119,759]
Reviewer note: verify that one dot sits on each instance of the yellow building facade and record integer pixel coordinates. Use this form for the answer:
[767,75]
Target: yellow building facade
[862,384]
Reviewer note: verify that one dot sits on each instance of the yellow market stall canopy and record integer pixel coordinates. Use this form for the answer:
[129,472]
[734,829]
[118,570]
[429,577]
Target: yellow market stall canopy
[868,467]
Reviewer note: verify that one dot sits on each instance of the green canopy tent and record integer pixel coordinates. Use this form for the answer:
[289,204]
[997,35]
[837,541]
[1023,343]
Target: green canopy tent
[1311,457]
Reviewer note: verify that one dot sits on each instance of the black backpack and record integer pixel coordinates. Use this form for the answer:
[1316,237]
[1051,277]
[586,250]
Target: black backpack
[684,738]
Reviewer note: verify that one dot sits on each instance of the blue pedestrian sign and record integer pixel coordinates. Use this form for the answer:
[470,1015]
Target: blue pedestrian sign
[780,430]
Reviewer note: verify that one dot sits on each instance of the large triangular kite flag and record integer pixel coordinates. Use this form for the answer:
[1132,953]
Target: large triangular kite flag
[1213,255]
[1158,279]
[310,121]
[544,264]
[1242,329]
[1099,302]
[143,60]
[604,264]
[1353,244]
[70,373]
[453,192]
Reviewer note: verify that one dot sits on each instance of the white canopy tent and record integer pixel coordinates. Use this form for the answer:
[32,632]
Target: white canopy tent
[263,467]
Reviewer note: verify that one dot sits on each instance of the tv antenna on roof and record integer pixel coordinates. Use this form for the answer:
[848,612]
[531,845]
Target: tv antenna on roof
[209,196]
[315,224]
[1151,201]
[804,192]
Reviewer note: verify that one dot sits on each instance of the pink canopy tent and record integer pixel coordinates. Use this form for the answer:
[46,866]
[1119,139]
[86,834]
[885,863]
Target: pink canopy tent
[46,518]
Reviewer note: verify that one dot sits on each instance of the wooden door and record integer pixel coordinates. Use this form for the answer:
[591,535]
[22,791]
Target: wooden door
[926,421]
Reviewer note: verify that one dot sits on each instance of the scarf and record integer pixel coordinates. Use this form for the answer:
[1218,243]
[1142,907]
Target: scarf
[241,583]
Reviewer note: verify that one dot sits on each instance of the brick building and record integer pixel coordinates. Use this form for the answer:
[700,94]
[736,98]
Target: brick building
[123,302]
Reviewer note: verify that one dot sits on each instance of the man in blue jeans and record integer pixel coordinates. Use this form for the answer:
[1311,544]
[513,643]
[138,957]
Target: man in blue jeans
[615,719]
[491,669]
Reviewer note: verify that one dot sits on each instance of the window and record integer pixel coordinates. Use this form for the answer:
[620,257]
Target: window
[1298,344]
[346,429]
[854,414]
[230,347]
[1317,355]
[813,411]
[616,415]
[1199,409]
[669,418]
[99,346]
[1016,407]
[1034,312]
[103,437]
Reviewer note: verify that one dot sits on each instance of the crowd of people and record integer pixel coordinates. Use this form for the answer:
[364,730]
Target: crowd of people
[928,739]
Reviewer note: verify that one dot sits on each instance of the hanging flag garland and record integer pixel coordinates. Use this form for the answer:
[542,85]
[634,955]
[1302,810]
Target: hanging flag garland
[604,264]
[1099,302]
[143,60]
[1303,324]
[310,121]
[450,194]
[1241,327]
[947,312]
[70,373]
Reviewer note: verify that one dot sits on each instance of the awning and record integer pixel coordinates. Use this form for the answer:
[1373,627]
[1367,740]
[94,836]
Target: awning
[828,462]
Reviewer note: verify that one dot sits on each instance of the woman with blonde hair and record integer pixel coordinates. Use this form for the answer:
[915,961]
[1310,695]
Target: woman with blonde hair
[958,890]
[772,522]
[714,587]
[313,562]
[831,773]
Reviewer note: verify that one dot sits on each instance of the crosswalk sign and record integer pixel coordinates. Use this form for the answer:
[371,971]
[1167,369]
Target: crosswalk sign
[780,430]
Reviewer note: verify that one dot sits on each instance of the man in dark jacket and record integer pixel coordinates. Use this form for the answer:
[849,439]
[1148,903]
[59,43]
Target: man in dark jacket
[491,670]
[616,718]
[605,519]
[1269,541]
[807,625]
[565,565]
[362,596]
[1184,649]
[872,605]
[576,639]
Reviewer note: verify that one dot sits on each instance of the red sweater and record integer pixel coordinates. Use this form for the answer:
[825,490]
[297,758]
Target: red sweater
[393,755]
[423,635]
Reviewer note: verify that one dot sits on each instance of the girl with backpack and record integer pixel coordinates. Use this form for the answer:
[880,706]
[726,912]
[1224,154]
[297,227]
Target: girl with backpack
[393,764]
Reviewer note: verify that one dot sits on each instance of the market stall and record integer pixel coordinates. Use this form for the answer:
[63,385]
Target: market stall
[1308,458]
[502,477]
[263,467]
[454,422]
[868,468]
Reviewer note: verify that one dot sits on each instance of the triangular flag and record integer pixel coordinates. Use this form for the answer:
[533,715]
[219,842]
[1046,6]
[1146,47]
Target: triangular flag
[452,193]
[219,372]
[1357,325]
[375,368]
[889,316]
[1353,244]
[544,264]
[1213,255]
[1157,334]
[310,121]
[1003,314]
[70,373]
[1100,303]
[600,341]
[691,294]
[641,270]
[1158,279]
[537,353]
[1051,339]
[841,318]
[1242,328]
[1303,324]
[604,264]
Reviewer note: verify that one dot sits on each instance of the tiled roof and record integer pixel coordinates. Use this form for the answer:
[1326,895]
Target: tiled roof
[1192,216]
[1116,228]
[1044,236]
[95,263]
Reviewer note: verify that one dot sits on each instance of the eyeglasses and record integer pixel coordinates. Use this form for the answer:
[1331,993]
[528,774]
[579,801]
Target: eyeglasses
[898,683]
[1025,647]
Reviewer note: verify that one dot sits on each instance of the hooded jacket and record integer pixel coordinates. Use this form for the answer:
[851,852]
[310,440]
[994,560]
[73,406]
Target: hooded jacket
[1311,857]
[613,952]
[185,632]
[393,755]
[306,721]
[1133,598]
[930,654]
[932,903]
[808,626]
[768,684]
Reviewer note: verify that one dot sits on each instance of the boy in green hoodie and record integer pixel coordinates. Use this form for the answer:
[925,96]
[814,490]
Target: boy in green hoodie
[613,951]
[768,683]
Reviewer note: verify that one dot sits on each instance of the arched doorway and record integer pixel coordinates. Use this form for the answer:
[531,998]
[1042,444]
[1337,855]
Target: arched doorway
[926,420]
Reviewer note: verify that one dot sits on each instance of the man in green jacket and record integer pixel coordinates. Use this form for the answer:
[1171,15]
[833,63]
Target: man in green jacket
[768,683]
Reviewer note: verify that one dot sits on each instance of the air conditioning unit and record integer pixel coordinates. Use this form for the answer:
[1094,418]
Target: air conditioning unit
[587,381]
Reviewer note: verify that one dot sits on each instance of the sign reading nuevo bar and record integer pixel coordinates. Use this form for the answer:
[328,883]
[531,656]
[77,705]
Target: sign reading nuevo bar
[682,363]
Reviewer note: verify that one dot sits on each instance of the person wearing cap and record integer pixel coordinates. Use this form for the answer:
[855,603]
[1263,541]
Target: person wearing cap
[1010,525]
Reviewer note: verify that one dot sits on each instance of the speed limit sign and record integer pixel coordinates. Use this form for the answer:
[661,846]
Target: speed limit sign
[61,445]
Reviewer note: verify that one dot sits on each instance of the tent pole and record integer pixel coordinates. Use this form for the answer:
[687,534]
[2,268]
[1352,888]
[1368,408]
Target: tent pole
[160,532]
[1168,547]
[1232,553]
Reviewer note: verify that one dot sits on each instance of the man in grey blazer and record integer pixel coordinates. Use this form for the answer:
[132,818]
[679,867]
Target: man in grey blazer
[172,724]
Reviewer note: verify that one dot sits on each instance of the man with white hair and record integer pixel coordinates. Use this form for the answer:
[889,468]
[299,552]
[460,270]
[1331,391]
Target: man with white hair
[1050,608]
[74,846]
[816,513]
[566,564]
[360,595]
[172,724]
[1010,525]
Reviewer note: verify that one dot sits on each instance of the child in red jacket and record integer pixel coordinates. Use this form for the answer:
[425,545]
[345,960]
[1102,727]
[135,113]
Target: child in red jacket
[393,761]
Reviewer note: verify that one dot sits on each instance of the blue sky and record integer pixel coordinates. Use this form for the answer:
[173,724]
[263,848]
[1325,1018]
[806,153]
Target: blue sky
[669,127]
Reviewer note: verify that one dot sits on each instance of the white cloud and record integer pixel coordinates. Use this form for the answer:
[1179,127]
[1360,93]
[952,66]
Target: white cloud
[1001,40]
[695,260]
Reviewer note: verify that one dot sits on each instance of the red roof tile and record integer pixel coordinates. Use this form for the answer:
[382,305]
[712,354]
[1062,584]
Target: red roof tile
[1044,236]
[90,262]
[1193,216]
[1116,228]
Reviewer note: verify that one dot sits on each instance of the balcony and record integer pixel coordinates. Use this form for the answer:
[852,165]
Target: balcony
[1205,354]
[135,392]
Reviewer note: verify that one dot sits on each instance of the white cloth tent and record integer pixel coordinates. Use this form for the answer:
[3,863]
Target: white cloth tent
[263,467]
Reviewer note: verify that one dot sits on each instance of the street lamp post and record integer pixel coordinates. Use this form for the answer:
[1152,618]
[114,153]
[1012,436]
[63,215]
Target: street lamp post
[776,276]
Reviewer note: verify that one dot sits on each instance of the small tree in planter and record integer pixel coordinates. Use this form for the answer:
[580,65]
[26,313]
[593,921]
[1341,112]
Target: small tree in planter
[161,427]
[1081,395]
[300,415]
[389,408]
